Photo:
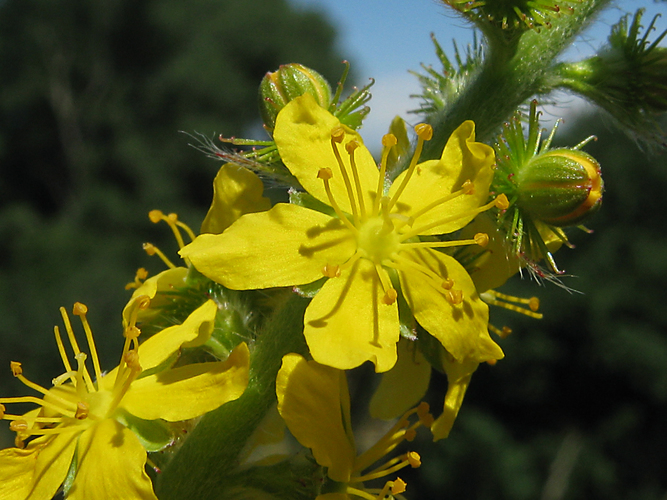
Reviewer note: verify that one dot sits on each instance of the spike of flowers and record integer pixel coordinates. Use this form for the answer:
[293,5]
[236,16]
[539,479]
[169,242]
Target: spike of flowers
[366,245]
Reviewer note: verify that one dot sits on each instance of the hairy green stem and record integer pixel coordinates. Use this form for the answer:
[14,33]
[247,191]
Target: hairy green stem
[199,469]
[512,72]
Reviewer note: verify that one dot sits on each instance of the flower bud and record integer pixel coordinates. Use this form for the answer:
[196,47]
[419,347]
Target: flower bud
[282,86]
[560,187]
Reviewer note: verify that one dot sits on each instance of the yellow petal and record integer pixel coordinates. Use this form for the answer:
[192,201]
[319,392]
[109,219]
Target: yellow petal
[303,136]
[37,471]
[288,245]
[53,462]
[309,400]
[193,332]
[236,191]
[402,387]
[162,282]
[458,379]
[189,391]
[16,470]
[111,465]
[347,323]
[463,328]
[462,159]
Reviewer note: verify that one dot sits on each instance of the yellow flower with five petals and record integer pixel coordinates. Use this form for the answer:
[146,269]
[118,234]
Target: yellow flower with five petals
[85,429]
[365,238]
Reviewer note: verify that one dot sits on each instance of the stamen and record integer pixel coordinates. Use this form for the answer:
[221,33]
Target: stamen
[337,136]
[411,458]
[131,362]
[467,188]
[46,404]
[501,202]
[480,239]
[400,263]
[325,174]
[151,249]
[139,277]
[424,133]
[350,148]
[331,271]
[508,302]
[390,293]
[398,486]
[82,410]
[172,220]
[454,297]
[61,350]
[81,310]
[502,333]
[388,141]
[83,381]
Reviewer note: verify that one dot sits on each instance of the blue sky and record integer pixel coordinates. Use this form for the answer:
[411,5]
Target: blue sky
[386,38]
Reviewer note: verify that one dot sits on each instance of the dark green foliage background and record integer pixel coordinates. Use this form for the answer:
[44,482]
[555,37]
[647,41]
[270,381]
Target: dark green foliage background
[92,98]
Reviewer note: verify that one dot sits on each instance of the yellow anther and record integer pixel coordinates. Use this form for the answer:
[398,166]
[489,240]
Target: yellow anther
[410,435]
[454,297]
[82,410]
[139,277]
[389,140]
[414,459]
[16,368]
[143,302]
[448,284]
[131,359]
[18,426]
[534,304]
[79,309]
[338,134]
[131,332]
[390,296]
[506,330]
[502,202]
[482,239]
[331,270]
[155,216]
[468,187]
[352,145]
[398,486]
[491,362]
[150,249]
[324,173]
[424,131]
[172,218]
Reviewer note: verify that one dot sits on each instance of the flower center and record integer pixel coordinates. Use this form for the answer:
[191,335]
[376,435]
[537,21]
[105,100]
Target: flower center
[381,232]
[377,240]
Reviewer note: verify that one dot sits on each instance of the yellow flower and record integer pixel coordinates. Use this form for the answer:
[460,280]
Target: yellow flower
[365,239]
[87,431]
[314,401]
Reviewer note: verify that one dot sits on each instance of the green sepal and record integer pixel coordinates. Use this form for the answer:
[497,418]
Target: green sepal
[306,200]
[154,435]
[309,290]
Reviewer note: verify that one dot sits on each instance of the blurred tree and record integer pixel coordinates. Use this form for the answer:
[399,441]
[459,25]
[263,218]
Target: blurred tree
[93,97]
[577,409]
